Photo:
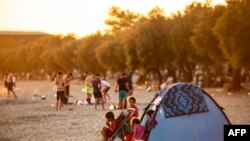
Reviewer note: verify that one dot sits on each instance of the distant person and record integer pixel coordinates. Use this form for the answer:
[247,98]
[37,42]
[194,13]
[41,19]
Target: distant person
[60,90]
[122,86]
[105,87]
[130,85]
[88,89]
[9,84]
[67,78]
[96,84]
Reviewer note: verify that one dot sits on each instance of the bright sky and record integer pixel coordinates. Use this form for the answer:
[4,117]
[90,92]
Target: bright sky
[74,16]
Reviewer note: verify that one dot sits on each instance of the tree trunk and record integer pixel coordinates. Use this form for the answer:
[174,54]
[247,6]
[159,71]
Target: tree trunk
[159,76]
[236,84]
[188,75]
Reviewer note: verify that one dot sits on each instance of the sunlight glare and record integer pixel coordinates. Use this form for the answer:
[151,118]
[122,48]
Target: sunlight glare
[73,16]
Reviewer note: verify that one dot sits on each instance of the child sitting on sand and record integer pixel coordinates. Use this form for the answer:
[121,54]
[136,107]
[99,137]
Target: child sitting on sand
[110,127]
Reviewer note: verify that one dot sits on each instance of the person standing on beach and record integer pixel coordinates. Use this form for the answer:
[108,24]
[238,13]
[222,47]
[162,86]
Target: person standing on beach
[67,78]
[96,83]
[59,82]
[130,85]
[9,84]
[122,86]
[105,86]
[88,89]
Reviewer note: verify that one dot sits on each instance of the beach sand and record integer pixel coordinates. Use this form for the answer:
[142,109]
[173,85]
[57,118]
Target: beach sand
[29,118]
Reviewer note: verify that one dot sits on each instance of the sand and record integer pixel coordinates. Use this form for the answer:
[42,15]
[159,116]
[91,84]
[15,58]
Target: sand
[29,118]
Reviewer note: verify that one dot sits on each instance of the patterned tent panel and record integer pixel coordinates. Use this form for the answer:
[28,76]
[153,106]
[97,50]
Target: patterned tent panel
[183,98]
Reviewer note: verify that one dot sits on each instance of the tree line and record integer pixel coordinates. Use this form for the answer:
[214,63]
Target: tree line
[201,34]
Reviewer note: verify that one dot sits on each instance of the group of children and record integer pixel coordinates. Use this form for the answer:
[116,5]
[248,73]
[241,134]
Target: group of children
[139,132]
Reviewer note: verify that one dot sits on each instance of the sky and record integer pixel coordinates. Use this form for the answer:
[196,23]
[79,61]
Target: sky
[81,17]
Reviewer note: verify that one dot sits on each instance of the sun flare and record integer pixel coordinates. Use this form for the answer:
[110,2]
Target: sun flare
[80,17]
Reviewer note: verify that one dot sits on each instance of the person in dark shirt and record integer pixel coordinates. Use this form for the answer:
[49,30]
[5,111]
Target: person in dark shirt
[122,86]
[96,83]
[130,85]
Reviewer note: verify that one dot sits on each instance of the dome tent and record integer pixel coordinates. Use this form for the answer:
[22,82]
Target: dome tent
[185,112]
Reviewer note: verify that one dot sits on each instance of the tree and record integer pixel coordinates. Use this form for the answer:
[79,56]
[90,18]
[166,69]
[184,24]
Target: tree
[119,19]
[204,40]
[151,42]
[182,27]
[41,53]
[233,31]
[110,55]
[64,56]
[129,48]
[111,51]
[86,59]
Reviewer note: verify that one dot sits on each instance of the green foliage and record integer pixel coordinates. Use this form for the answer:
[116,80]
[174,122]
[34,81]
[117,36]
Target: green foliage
[233,30]
[120,19]
[110,55]
[86,59]
[129,48]
[64,56]
[150,43]
[204,40]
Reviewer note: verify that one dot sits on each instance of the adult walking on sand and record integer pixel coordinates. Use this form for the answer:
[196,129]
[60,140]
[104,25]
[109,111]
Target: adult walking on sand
[96,83]
[9,84]
[122,86]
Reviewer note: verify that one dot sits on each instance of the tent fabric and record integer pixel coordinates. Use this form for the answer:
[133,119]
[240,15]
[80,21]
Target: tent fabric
[183,99]
[201,126]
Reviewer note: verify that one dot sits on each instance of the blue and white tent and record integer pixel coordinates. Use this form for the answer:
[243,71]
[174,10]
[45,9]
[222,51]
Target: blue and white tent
[185,112]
